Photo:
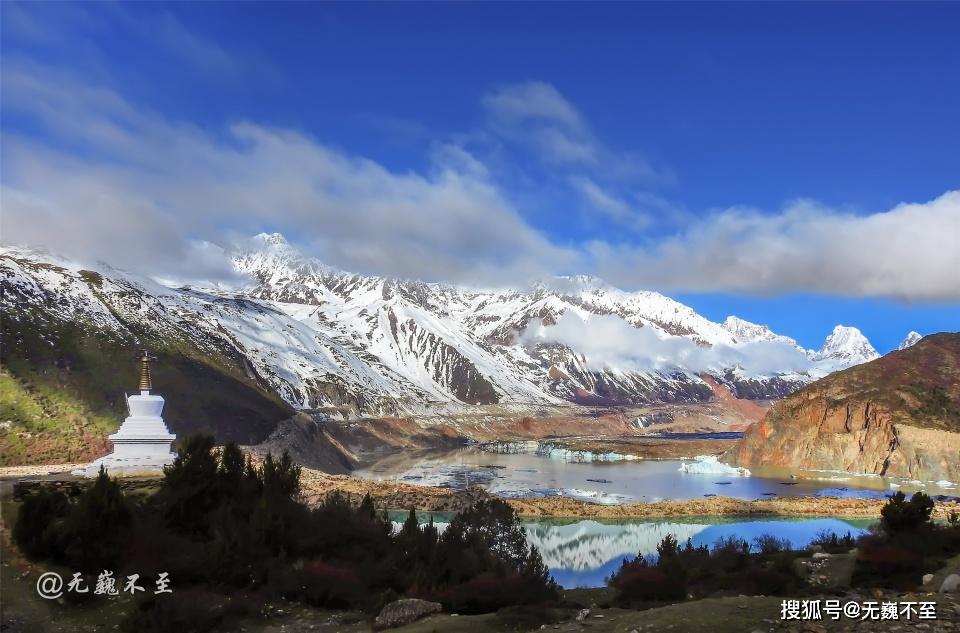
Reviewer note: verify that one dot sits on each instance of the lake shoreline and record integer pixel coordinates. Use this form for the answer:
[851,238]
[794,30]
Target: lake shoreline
[403,496]
[394,495]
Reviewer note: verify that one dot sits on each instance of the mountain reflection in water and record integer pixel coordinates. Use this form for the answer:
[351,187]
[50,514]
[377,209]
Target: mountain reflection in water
[583,553]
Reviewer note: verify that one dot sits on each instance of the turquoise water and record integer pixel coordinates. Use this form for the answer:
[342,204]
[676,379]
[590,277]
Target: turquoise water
[582,553]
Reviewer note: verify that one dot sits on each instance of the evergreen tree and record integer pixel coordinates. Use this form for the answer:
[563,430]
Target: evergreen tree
[37,531]
[190,490]
[94,529]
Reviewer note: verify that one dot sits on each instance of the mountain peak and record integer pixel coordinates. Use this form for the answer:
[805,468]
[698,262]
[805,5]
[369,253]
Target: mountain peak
[736,325]
[571,284]
[910,340]
[747,332]
[847,343]
[272,239]
[270,258]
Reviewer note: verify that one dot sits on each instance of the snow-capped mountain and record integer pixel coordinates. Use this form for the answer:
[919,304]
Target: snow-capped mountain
[746,332]
[319,337]
[910,340]
[845,347]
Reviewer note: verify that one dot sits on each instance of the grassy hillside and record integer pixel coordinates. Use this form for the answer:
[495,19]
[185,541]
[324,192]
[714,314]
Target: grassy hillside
[62,389]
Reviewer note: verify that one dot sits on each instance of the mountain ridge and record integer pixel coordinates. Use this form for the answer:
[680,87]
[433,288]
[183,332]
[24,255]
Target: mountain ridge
[325,338]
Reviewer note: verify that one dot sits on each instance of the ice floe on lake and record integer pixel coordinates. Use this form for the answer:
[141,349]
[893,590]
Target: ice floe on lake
[711,465]
[554,451]
[595,496]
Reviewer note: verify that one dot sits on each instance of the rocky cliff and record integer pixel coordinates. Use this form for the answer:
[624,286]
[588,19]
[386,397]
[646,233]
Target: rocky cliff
[898,415]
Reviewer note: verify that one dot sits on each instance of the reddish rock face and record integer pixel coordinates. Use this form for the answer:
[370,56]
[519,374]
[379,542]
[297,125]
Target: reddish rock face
[897,416]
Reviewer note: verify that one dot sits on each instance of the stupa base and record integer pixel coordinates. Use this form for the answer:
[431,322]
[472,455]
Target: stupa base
[131,466]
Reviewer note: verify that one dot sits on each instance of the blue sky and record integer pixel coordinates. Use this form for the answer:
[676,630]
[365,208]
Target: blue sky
[788,163]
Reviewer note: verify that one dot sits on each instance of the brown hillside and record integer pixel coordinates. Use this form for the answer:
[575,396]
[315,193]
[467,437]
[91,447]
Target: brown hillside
[897,416]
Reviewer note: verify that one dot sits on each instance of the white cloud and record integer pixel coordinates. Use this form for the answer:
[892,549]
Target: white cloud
[534,100]
[609,342]
[910,252]
[106,179]
[142,189]
[608,204]
[72,32]
[536,114]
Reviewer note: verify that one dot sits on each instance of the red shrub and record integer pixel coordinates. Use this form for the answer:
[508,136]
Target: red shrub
[324,584]
[489,592]
[647,583]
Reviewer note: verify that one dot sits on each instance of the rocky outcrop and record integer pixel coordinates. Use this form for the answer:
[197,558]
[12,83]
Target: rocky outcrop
[897,416]
[403,612]
[926,454]
[308,441]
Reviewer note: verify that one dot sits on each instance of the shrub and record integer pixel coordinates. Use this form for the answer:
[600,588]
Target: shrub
[187,611]
[491,591]
[900,515]
[322,584]
[830,542]
[729,566]
[694,556]
[770,544]
[637,583]
[881,563]
[640,580]
[38,529]
[767,582]
[730,553]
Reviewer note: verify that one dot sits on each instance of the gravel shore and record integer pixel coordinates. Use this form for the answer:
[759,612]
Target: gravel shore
[401,496]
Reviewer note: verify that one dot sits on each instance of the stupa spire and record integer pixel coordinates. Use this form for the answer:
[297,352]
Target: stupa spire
[145,382]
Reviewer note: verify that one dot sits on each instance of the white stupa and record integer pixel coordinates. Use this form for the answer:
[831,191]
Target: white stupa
[141,446]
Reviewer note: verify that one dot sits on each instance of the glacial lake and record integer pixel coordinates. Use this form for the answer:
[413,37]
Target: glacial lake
[625,481]
[583,553]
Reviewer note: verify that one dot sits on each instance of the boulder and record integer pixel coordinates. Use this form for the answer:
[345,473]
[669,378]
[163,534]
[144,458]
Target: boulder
[402,612]
[950,584]
[927,579]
